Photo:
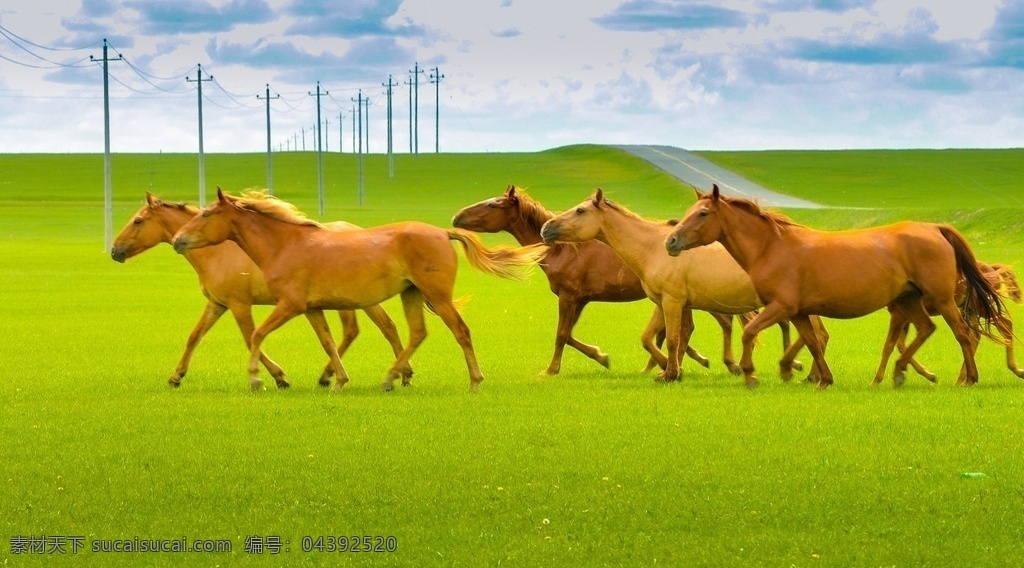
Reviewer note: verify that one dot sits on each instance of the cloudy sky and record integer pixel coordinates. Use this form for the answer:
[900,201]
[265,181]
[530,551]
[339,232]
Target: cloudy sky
[519,75]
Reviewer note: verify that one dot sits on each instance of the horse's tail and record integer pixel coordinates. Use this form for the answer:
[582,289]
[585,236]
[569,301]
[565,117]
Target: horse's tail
[982,300]
[505,262]
[1007,282]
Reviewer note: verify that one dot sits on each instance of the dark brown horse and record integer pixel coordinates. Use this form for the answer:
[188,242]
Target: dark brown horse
[799,272]
[230,280]
[578,273]
[309,268]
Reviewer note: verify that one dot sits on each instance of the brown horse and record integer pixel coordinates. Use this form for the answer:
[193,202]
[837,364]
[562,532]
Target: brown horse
[800,272]
[577,273]
[309,268]
[707,279]
[1004,280]
[230,280]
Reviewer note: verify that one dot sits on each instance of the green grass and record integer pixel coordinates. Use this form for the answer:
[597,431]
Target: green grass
[595,467]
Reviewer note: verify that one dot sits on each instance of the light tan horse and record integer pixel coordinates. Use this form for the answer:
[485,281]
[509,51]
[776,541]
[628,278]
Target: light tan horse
[706,279]
[230,280]
[309,269]
[578,273]
[800,272]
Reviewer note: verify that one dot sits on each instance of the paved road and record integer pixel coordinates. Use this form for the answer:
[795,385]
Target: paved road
[701,173]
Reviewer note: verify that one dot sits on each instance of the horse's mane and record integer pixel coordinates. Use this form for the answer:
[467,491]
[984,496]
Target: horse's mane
[180,206]
[621,209]
[260,202]
[775,219]
[531,212]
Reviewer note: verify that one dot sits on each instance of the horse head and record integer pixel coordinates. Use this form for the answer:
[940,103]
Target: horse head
[700,225]
[490,215]
[213,225]
[581,223]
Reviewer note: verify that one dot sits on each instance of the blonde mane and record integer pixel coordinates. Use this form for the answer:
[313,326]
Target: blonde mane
[531,211]
[616,207]
[260,202]
[776,220]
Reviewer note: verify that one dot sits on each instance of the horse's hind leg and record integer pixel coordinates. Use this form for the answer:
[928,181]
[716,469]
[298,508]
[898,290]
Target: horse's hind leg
[817,341]
[569,310]
[913,309]
[444,308]
[1005,326]
[655,326]
[412,304]
[898,322]
[788,356]
[349,332]
[211,314]
[387,327]
[323,332]
[725,322]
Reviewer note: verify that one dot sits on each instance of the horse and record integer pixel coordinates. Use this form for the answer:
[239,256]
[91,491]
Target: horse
[577,273]
[230,280]
[310,268]
[800,272]
[707,279]
[1004,280]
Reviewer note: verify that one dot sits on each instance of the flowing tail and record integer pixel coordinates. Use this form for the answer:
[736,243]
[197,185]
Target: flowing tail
[504,262]
[982,301]
[1006,281]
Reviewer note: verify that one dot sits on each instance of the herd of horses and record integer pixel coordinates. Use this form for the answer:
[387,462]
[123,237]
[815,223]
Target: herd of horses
[727,257]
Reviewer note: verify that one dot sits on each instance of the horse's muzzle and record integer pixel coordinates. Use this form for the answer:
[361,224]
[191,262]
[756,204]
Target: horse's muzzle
[674,245]
[118,254]
[548,233]
[181,245]
[458,222]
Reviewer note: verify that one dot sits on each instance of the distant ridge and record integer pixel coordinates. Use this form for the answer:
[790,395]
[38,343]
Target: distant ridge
[700,173]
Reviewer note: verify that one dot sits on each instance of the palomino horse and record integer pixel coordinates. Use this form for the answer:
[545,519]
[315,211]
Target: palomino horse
[1005,281]
[309,268]
[230,280]
[706,279]
[577,273]
[800,272]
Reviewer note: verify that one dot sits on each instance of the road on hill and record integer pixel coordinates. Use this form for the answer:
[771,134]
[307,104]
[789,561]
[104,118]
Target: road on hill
[700,173]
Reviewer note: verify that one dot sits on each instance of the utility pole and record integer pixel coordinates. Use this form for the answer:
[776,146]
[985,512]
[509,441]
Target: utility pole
[359,103]
[391,158]
[416,106]
[435,78]
[409,84]
[341,138]
[270,169]
[354,129]
[327,134]
[108,201]
[319,148]
[202,167]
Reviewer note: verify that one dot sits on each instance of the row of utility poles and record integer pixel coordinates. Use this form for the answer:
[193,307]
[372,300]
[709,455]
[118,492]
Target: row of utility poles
[358,115]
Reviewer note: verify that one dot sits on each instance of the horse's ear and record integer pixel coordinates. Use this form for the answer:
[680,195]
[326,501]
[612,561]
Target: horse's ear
[699,193]
[598,197]
[510,194]
[220,196]
[715,194]
[151,200]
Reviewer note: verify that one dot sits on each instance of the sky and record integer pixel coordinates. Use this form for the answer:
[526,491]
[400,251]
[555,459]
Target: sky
[517,75]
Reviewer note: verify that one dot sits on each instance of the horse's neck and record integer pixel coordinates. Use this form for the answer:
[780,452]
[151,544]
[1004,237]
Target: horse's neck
[201,258]
[632,238]
[746,237]
[262,238]
[526,230]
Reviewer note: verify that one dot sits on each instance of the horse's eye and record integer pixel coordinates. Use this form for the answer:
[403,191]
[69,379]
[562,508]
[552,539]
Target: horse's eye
[704,213]
[579,210]
[206,213]
[137,221]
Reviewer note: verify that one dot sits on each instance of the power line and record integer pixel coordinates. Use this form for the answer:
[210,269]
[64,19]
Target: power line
[6,31]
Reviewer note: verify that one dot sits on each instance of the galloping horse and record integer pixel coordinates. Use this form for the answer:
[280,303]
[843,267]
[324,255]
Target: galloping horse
[309,268]
[800,272]
[707,279]
[577,273]
[230,280]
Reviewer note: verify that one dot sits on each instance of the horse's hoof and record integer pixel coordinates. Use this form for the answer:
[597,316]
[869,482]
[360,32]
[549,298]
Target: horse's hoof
[898,379]
[797,365]
[753,383]
[283,384]
[1019,372]
[387,386]
[735,369]
[605,361]
[474,386]
[703,362]
[256,384]
[407,373]
[325,381]
[549,372]
[822,385]
[338,385]
[174,383]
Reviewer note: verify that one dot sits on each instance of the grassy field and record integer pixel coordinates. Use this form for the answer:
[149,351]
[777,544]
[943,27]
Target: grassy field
[594,467]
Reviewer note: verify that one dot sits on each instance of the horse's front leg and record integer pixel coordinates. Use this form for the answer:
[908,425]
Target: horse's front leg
[323,332]
[655,326]
[211,314]
[770,315]
[677,320]
[283,312]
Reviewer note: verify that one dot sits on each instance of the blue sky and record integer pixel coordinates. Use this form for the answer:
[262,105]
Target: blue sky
[519,75]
